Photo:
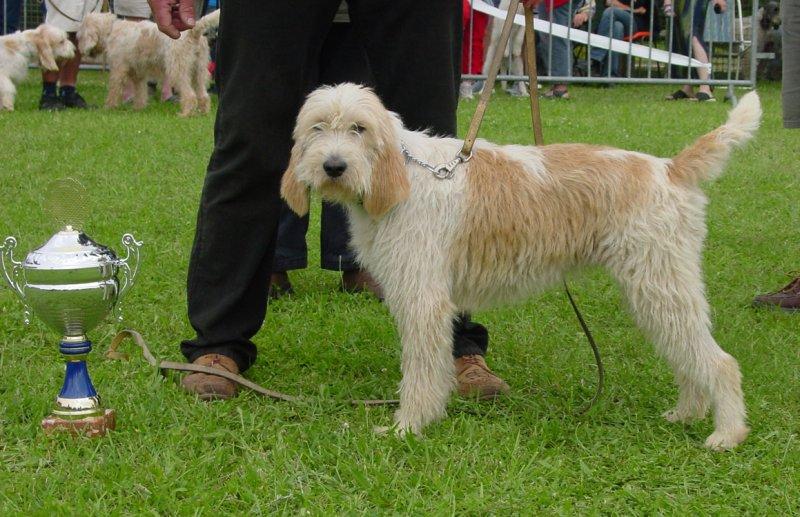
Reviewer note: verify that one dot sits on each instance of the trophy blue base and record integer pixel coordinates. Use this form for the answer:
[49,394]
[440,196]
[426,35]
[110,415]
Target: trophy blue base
[78,409]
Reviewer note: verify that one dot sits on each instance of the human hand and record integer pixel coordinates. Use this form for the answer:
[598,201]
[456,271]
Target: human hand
[173,16]
[668,8]
[579,19]
[640,10]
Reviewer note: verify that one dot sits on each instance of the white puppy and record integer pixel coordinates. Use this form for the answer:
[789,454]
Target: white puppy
[138,51]
[49,44]
[513,221]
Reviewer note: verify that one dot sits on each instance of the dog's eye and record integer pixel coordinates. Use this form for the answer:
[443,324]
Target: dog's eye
[357,128]
[318,127]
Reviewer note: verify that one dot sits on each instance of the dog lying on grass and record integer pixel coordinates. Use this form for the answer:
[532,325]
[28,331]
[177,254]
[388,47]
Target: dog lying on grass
[512,222]
[49,44]
[138,51]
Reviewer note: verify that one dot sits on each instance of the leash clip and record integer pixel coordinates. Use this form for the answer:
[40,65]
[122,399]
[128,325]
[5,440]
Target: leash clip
[445,171]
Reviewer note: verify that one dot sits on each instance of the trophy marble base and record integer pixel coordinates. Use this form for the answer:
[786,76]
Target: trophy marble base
[91,426]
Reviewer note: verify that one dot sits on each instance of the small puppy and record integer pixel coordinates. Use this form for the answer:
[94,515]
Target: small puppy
[49,44]
[512,221]
[138,51]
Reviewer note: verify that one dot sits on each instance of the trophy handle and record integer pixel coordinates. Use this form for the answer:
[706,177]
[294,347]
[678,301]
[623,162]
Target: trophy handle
[129,267]
[12,271]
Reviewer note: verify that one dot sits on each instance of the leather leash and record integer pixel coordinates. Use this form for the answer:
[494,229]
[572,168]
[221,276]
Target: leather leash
[164,366]
[538,138]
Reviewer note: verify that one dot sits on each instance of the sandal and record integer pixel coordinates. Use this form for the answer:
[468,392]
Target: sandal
[704,97]
[678,95]
[556,94]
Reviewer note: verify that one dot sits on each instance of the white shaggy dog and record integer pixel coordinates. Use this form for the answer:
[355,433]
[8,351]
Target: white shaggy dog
[138,51]
[513,221]
[49,44]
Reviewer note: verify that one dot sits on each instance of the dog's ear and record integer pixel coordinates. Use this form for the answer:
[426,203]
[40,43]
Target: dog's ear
[389,183]
[46,57]
[292,191]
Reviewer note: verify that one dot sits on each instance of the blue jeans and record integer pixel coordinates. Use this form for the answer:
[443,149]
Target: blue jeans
[559,62]
[292,252]
[623,24]
[9,15]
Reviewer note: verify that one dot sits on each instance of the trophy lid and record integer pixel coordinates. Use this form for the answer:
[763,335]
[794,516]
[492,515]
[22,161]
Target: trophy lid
[74,256]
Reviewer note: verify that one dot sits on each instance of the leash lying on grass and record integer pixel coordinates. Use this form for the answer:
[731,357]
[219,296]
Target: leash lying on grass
[163,366]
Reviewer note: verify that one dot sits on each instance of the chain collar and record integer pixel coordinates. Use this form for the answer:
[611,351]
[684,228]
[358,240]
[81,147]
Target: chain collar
[444,171]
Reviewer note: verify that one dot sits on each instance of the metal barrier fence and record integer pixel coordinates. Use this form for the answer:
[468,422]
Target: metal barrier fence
[654,42]
[649,44]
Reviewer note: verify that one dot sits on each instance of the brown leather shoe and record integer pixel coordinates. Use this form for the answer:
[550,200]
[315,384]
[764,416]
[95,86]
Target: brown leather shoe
[787,298]
[212,387]
[475,379]
[359,281]
[279,285]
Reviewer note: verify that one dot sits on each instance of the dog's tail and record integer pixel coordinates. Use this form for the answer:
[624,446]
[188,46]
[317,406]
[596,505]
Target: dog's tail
[706,158]
[205,24]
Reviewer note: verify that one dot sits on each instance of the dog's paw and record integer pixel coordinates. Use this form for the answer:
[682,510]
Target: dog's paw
[726,440]
[677,416]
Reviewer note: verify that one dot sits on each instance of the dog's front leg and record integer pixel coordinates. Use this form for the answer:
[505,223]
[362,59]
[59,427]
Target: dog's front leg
[425,322]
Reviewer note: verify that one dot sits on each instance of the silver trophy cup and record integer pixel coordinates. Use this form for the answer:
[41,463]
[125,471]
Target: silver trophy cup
[72,283]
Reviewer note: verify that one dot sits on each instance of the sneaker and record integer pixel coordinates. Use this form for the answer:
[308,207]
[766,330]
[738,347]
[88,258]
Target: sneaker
[787,298]
[73,99]
[465,90]
[51,103]
[475,379]
[279,285]
[212,387]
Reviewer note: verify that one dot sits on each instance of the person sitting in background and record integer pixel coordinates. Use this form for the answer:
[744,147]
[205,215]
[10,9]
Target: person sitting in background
[9,16]
[620,19]
[688,40]
[557,51]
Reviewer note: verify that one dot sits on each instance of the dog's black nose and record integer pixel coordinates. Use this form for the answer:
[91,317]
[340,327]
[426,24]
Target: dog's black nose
[334,167]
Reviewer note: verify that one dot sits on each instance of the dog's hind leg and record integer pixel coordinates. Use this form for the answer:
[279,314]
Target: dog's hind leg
[666,293]
[140,94]
[201,88]
[425,322]
[116,86]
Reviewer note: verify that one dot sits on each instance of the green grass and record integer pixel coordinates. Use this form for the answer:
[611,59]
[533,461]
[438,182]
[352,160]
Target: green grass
[527,453]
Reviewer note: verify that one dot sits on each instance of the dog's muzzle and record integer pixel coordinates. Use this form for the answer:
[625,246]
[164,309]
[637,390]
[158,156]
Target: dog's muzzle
[334,166]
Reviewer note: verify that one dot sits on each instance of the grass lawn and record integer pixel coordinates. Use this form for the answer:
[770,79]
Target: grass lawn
[523,454]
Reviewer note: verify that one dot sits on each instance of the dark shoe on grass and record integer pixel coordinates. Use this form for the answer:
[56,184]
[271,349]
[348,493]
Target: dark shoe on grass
[475,379]
[678,95]
[787,298]
[51,103]
[279,285]
[359,281]
[704,97]
[73,100]
[212,387]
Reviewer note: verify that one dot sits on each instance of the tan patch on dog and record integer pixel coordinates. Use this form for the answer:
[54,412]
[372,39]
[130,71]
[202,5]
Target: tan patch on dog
[12,46]
[518,217]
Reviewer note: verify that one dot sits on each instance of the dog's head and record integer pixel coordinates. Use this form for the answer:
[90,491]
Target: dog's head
[347,148]
[52,45]
[94,32]
[770,15]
